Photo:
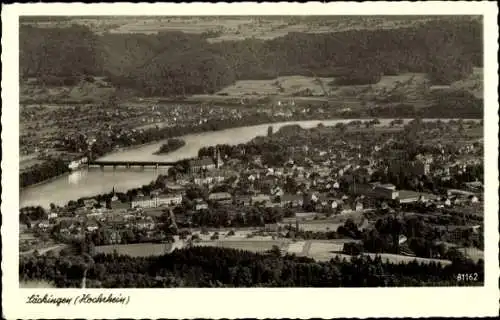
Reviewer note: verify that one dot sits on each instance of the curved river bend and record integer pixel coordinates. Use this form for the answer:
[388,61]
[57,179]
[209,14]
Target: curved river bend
[88,182]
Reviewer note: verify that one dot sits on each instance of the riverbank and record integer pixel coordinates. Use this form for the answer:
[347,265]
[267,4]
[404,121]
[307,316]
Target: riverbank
[65,174]
[87,183]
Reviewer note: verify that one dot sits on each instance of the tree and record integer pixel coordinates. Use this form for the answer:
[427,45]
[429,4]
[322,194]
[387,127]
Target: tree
[184,234]
[275,251]
[215,236]
[455,255]
[352,248]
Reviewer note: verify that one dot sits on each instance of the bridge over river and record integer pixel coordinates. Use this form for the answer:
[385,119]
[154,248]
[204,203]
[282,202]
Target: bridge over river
[131,164]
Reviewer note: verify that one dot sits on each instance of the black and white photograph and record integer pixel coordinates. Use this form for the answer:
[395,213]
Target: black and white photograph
[251,151]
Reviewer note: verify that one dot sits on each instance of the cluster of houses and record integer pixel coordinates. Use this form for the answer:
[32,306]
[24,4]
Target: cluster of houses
[330,180]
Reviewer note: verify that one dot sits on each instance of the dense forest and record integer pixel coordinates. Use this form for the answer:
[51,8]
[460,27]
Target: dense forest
[175,63]
[41,172]
[218,267]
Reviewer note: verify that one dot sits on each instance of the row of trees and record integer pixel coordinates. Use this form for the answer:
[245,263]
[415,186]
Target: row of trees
[218,267]
[232,216]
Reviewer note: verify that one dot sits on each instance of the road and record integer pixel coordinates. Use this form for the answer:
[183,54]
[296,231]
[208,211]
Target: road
[44,250]
[306,247]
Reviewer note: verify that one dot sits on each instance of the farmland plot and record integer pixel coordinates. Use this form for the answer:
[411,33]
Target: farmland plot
[136,249]
[315,227]
[397,258]
[283,86]
[39,284]
[326,250]
[472,253]
[296,247]
[247,245]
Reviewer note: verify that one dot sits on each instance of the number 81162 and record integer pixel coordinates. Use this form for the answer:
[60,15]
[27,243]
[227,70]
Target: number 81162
[467,277]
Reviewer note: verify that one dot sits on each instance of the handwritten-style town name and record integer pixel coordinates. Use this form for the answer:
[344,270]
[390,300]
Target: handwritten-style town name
[83,298]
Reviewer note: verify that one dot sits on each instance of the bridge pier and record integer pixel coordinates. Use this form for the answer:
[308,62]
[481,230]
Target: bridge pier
[157,165]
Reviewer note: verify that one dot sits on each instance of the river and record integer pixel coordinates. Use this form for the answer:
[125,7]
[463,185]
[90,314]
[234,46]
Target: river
[92,181]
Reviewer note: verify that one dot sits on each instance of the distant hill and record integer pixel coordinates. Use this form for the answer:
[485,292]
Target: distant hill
[83,91]
[176,63]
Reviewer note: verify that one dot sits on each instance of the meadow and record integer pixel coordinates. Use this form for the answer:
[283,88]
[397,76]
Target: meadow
[136,249]
[248,245]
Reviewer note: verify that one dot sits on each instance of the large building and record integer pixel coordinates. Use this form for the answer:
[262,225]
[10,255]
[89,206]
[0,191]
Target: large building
[375,190]
[143,202]
[156,201]
[206,163]
[404,167]
[168,200]
[198,165]
[214,176]
[221,197]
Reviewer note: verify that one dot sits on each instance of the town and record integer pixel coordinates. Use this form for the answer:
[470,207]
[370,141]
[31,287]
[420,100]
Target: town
[350,189]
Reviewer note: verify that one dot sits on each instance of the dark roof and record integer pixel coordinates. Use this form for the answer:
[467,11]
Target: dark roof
[243,198]
[291,197]
[205,161]
[143,198]
[261,197]
[219,196]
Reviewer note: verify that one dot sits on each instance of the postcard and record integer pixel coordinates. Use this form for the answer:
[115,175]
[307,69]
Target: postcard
[250,160]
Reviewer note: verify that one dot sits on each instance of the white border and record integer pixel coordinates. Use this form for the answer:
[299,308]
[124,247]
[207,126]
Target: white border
[256,303]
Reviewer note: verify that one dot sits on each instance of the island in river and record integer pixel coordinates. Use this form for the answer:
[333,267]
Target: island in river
[170,146]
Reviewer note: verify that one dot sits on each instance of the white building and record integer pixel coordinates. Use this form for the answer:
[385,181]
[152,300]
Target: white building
[143,202]
[168,199]
[156,201]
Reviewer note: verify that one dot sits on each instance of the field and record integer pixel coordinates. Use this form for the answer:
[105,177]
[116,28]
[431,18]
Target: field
[306,215]
[286,89]
[248,245]
[405,194]
[306,222]
[472,253]
[39,284]
[296,247]
[320,250]
[283,86]
[396,258]
[136,250]
[231,28]
[319,226]
[324,250]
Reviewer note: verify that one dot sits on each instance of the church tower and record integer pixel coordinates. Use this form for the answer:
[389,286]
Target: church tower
[217,158]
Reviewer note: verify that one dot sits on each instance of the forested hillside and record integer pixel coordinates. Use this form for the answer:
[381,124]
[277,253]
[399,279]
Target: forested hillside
[60,55]
[218,267]
[175,63]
